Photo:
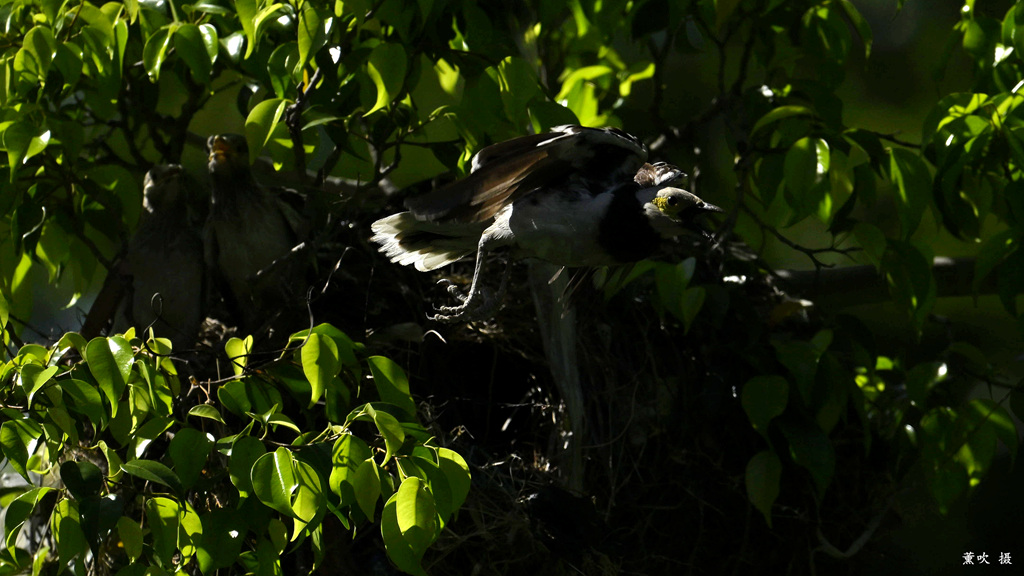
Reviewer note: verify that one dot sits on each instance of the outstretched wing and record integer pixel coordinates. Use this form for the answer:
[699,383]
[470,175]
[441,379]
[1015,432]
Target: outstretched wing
[504,172]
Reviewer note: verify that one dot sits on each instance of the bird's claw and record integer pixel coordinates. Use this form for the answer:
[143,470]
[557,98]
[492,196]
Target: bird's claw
[472,307]
[453,289]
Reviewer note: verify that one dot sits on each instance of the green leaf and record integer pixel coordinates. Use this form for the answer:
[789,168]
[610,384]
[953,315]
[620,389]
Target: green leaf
[862,26]
[273,480]
[980,36]
[191,45]
[188,452]
[265,18]
[810,448]
[206,411]
[723,11]
[426,469]
[221,542]
[234,397]
[145,434]
[65,524]
[244,453]
[913,186]
[780,113]
[308,501]
[392,383]
[637,71]
[806,170]
[519,85]
[5,311]
[347,454]
[416,514]
[16,437]
[398,549]
[36,54]
[908,273]
[872,240]
[313,28]
[210,41]
[246,10]
[33,377]
[131,537]
[82,478]
[994,250]
[238,351]
[366,486]
[153,471]
[319,363]
[985,412]
[164,522]
[22,140]
[801,359]
[113,461]
[110,361]
[690,303]
[386,66]
[764,472]
[922,378]
[99,516]
[390,429]
[763,398]
[155,51]
[455,468]
[18,511]
[261,122]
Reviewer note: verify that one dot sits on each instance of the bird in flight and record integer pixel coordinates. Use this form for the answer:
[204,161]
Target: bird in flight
[575,197]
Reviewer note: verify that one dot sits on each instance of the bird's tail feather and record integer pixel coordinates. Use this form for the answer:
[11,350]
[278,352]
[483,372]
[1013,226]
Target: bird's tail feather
[406,240]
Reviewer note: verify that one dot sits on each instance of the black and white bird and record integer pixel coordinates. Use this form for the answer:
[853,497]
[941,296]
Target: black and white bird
[253,239]
[574,197]
[159,282]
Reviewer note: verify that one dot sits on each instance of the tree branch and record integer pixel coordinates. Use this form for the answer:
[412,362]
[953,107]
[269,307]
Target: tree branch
[856,285]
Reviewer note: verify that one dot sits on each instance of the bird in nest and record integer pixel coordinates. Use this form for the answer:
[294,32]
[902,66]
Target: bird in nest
[159,281]
[575,197]
[254,238]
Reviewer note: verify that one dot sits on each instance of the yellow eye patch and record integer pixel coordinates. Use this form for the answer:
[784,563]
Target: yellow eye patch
[669,205]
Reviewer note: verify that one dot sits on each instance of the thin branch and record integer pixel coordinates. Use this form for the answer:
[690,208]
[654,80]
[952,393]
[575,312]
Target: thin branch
[293,120]
[856,285]
[895,140]
[811,253]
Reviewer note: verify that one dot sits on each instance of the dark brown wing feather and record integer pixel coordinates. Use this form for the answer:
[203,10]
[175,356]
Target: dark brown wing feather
[479,196]
[650,175]
[504,172]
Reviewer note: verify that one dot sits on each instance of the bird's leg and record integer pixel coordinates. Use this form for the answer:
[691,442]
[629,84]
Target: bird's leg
[469,304]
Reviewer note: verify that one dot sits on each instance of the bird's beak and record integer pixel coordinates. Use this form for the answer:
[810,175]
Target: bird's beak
[709,207]
[220,150]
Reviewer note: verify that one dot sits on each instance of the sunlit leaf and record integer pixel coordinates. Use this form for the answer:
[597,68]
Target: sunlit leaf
[155,52]
[274,481]
[386,67]
[392,383]
[260,124]
[191,45]
[153,471]
[319,363]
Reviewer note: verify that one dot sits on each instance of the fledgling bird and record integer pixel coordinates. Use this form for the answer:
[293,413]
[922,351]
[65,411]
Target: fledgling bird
[574,197]
[160,280]
[254,239]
